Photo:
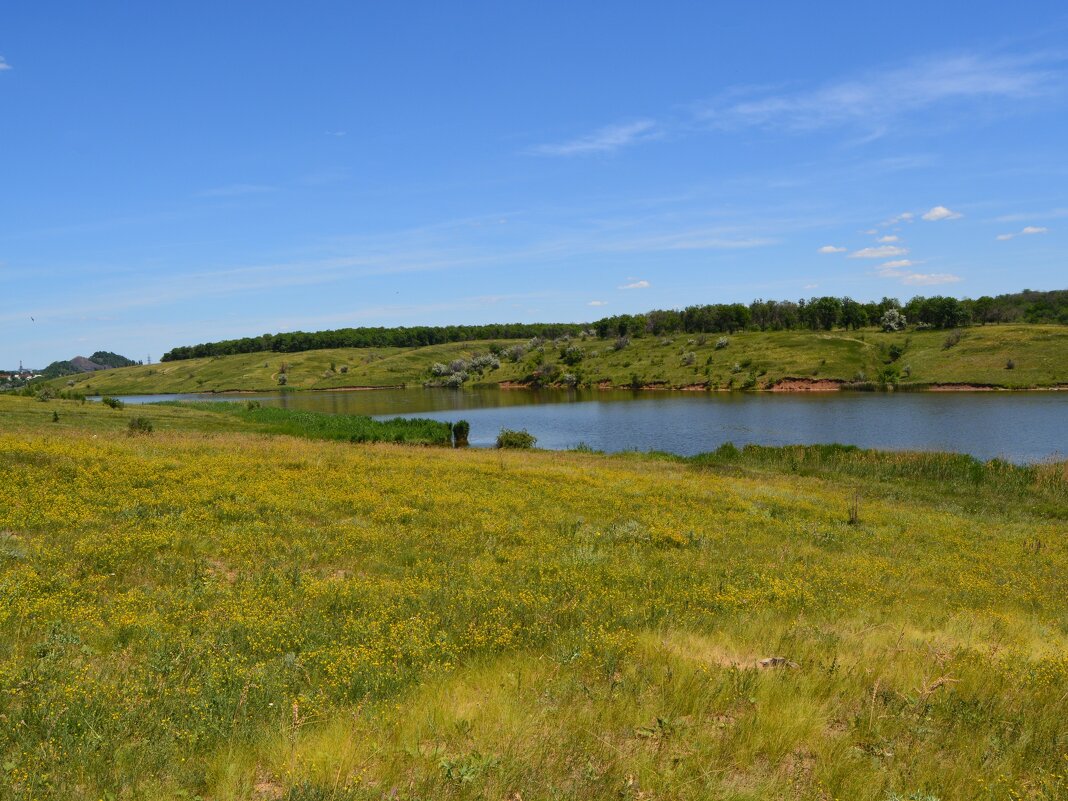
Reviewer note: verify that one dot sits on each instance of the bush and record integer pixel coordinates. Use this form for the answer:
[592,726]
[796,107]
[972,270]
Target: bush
[460,431]
[114,403]
[689,359]
[572,354]
[55,417]
[485,361]
[892,320]
[1010,365]
[515,353]
[620,343]
[722,342]
[344,368]
[456,380]
[282,379]
[515,439]
[458,366]
[439,369]
[140,425]
[252,404]
[953,338]
[569,380]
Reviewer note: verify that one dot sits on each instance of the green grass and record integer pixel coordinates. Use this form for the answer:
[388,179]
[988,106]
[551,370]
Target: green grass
[752,360]
[319,425]
[26,414]
[226,615]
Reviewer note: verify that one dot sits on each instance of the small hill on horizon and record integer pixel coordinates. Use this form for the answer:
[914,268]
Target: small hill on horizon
[101,360]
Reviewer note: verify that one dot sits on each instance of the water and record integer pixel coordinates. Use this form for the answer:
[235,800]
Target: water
[1018,426]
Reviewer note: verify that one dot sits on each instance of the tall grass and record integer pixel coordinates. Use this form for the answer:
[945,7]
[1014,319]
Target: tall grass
[244,617]
[319,425]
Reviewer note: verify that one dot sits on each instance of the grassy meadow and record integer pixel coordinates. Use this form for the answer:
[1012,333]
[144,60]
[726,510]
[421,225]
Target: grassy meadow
[212,611]
[752,360]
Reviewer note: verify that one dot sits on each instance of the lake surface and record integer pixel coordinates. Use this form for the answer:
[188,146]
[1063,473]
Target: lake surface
[1018,426]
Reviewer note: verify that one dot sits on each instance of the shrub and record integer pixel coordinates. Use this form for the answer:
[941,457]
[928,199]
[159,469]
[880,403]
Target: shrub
[252,404]
[456,380]
[113,403]
[139,425]
[439,369]
[620,343]
[458,366]
[485,361]
[344,368]
[515,439]
[515,353]
[722,342]
[1010,365]
[55,417]
[572,354]
[895,352]
[282,379]
[953,338]
[892,320]
[689,359]
[569,379]
[460,431]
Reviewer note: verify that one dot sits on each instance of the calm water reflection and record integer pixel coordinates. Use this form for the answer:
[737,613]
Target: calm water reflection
[1021,426]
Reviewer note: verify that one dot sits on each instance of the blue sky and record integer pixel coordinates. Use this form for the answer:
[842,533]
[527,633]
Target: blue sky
[178,173]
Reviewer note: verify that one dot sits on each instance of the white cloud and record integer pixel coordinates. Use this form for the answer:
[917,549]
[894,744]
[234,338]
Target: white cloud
[336,133]
[1029,230]
[603,140]
[892,265]
[881,252]
[597,303]
[889,238]
[929,279]
[831,249]
[811,286]
[3,64]
[906,216]
[636,285]
[871,232]
[941,213]
[873,99]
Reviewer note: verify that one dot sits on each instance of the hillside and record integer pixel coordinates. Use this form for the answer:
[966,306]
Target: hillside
[750,360]
[101,360]
[235,615]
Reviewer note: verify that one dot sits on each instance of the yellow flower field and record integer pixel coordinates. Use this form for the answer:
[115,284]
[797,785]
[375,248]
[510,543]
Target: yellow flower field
[235,616]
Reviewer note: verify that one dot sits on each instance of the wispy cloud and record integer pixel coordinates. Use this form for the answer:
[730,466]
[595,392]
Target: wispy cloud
[906,216]
[941,213]
[336,133]
[1029,230]
[895,268]
[597,303]
[874,99]
[888,238]
[929,279]
[236,190]
[831,249]
[881,252]
[636,285]
[604,140]
[3,64]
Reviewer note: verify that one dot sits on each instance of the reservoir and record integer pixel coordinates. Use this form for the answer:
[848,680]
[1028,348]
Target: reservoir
[1016,426]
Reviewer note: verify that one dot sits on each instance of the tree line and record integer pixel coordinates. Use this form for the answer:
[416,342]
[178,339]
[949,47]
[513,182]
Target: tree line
[817,313]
